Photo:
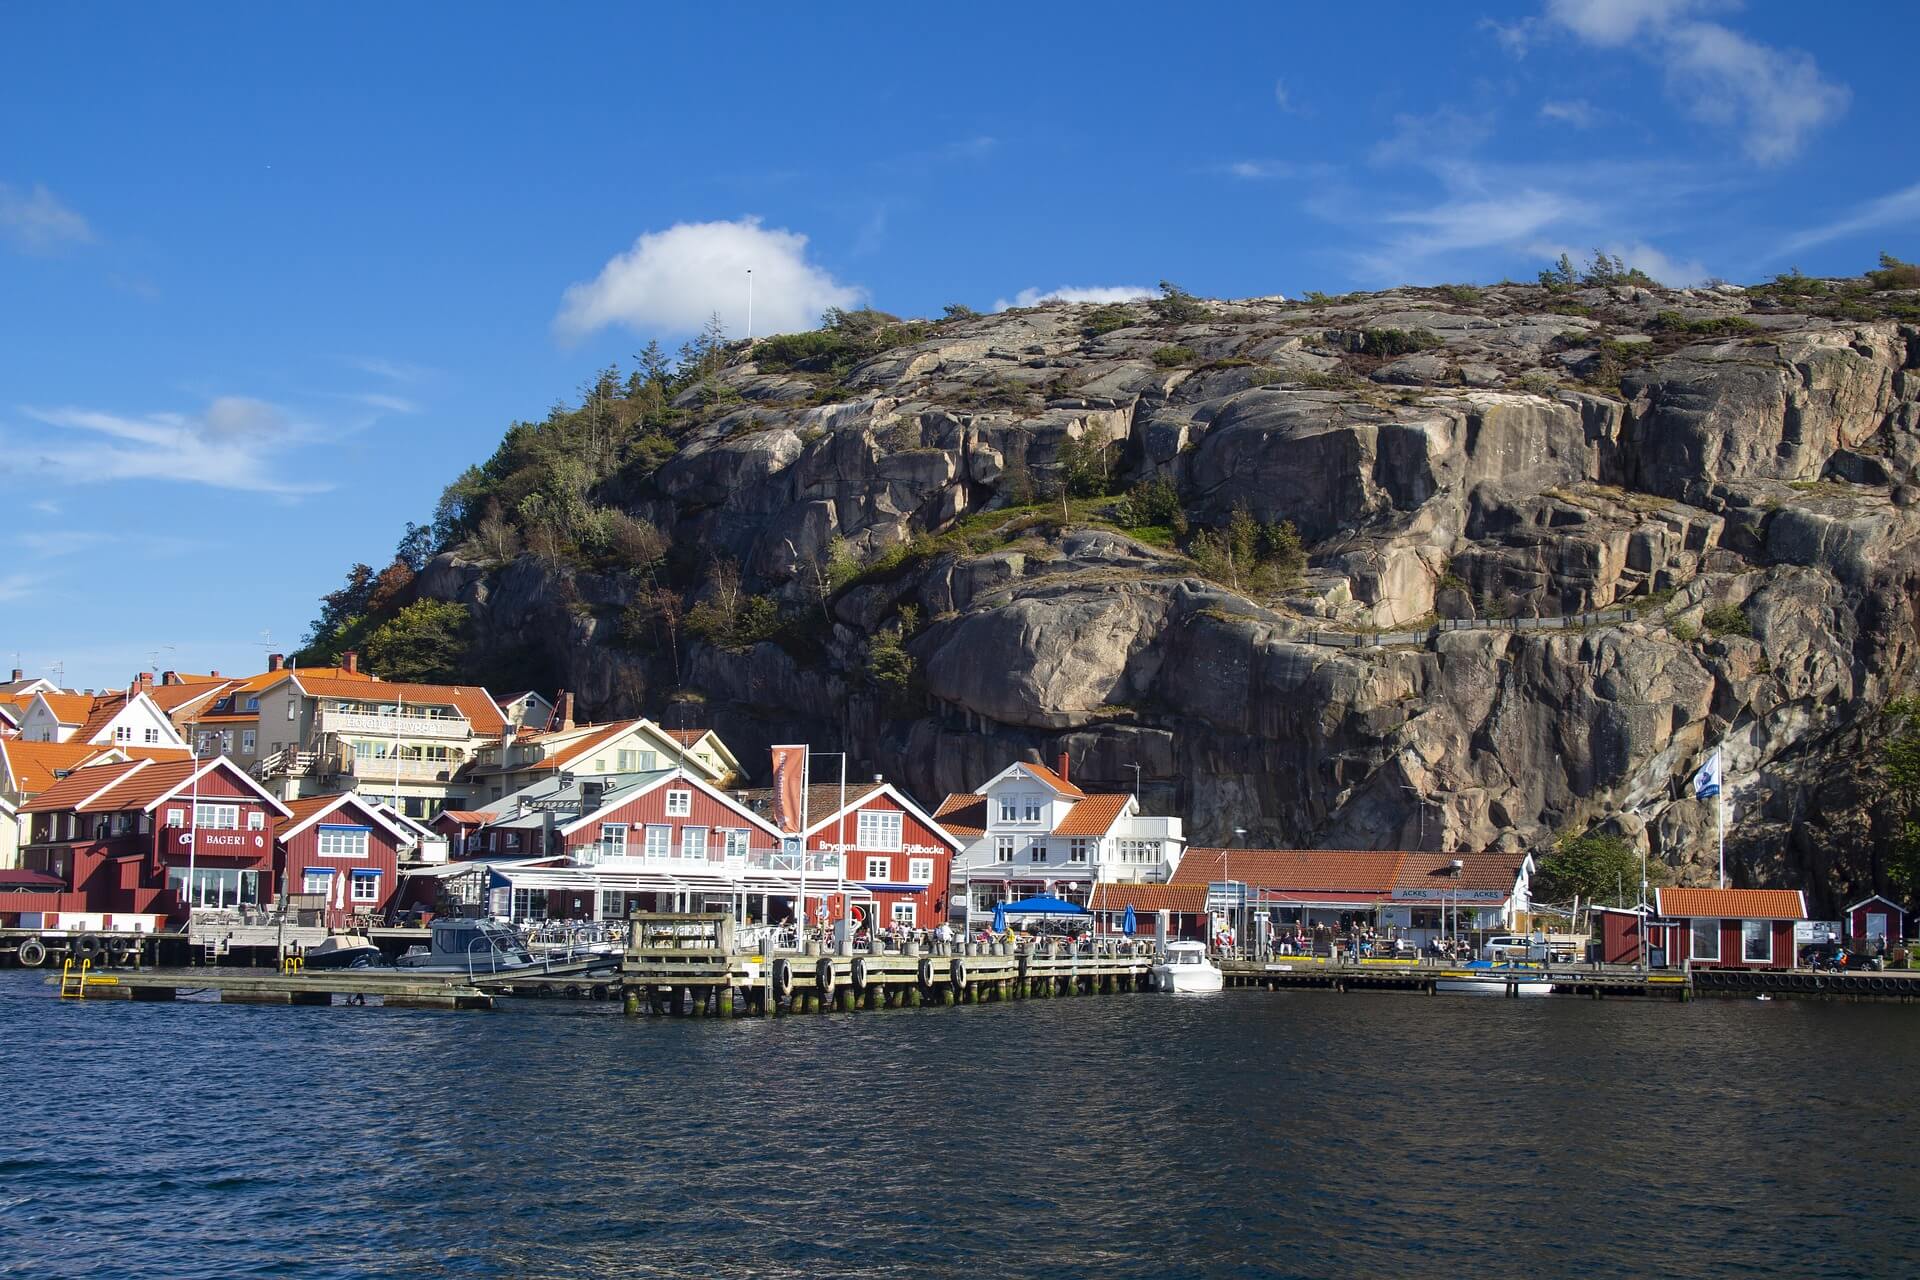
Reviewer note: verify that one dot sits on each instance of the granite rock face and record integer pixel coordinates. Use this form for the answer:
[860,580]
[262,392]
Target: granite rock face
[1439,679]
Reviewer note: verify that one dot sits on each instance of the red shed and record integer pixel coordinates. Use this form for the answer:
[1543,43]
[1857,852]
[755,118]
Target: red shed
[344,848]
[1733,928]
[1620,937]
[1876,920]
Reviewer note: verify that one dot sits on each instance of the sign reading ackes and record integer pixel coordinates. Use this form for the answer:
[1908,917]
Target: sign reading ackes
[1449,895]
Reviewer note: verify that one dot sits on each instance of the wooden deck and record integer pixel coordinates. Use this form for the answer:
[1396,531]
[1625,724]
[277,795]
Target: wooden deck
[350,985]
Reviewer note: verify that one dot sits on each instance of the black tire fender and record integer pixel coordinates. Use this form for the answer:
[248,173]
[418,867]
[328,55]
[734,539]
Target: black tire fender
[957,971]
[859,973]
[32,954]
[823,976]
[783,978]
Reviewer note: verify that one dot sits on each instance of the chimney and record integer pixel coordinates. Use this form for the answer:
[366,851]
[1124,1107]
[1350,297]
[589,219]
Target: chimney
[275,661]
[591,792]
[1061,768]
[214,674]
[565,711]
[143,681]
[349,662]
[169,677]
[18,674]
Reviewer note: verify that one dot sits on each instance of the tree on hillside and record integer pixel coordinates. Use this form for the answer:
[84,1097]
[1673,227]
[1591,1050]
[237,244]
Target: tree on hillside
[1900,792]
[426,642]
[341,622]
[1597,867]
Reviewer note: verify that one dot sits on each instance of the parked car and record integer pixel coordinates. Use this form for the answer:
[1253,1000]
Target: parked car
[1509,947]
[1838,956]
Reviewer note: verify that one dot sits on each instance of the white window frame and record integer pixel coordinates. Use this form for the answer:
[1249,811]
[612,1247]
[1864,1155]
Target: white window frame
[152,736]
[1080,849]
[321,876]
[247,739]
[176,817]
[123,733]
[372,883]
[679,804]
[613,904]
[693,843]
[256,820]
[1009,809]
[659,840]
[333,842]
[1003,849]
[1766,931]
[904,912]
[739,841]
[880,869]
[226,742]
[217,817]
[1031,808]
[1693,941]
[1037,851]
[919,870]
[880,829]
[613,839]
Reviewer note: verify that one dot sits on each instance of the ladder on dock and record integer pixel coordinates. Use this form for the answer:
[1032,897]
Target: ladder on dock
[77,976]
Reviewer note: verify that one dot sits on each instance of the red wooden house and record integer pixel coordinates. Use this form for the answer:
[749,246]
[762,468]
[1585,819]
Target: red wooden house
[1731,928]
[145,836]
[894,849]
[344,849]
[1876,921]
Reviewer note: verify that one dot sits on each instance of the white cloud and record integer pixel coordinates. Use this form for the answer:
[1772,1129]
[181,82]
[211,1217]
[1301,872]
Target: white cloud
[1577,112]
[1424,239]
[672,280]
[394,370]
[1675,273]
[1257,170]
[1075,293]
[386,403]
[1431,140]
[1281,98]
[228,445]
[16,586]
[1774,98]
[36,222]
[1896,208]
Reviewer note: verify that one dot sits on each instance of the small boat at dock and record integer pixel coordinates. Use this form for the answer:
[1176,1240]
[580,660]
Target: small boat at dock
[469,946]
[342,951]
[1185,968]
[1482,978]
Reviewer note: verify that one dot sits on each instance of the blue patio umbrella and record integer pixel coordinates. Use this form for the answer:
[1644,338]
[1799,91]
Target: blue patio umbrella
[1127,923]
[1000,919]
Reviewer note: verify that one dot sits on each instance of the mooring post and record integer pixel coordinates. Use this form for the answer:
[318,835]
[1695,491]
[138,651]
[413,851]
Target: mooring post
[630,1001]
[725,998]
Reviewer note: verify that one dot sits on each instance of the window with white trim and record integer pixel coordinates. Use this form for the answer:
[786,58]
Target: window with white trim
[679,804]
[1030,809]
[628,760]
[879,869]
[1078,850]
[217,817]
[1037,851]
[738,839]
[226,742]
[176,817]
[919,870]
[1704,940]
[256,820]
[317,880]
[1009,809]
[247,739]
[659,841]
[366,886]
[613,904]
[903,913]
[152,736]
[693,842]
[342,842]
[1756,941]
[123,733]
[613,839]
[253,704]
[879,829]
[1003,849]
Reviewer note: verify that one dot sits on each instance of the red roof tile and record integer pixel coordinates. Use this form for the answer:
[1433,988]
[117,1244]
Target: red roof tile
[1184,899]
[69,708]
[1362,871]
[963,815]
[1731,904]
[1423,870]
[72,791]
[104,709]
[1093,816]
[33,765]
[1054,780]
[476,704]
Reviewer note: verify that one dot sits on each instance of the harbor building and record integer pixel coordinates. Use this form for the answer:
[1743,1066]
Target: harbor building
[1730,928]
[1876,922]
[343,851]
[1030,831]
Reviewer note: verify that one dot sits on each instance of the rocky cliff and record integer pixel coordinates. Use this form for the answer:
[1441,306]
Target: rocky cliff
[1559,544]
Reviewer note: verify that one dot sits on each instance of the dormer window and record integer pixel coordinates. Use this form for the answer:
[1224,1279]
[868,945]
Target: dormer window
[253,704]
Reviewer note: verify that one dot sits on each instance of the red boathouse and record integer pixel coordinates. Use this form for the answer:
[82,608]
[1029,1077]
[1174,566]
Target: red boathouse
[1732,928]
[1876,920]
[345,850]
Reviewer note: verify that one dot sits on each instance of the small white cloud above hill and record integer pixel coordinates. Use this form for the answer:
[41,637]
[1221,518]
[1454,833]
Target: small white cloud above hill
[1075,293]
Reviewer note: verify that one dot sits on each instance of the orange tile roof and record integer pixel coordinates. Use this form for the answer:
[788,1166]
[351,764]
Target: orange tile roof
[104,709]
[174,697]
[70,708]
[1054,780]
[468,817]
[1300,870]
[823,801]
[1186,899]
[310,806]
[33,766]
[1731,904]
[1093,816]
[963,815]
[1423,870]
[687,737]
[475,703]
[73,790]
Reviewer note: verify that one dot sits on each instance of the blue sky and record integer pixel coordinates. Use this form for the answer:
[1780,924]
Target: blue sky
[270,276]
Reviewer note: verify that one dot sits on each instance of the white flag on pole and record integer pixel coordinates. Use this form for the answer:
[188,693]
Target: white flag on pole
[1706,783]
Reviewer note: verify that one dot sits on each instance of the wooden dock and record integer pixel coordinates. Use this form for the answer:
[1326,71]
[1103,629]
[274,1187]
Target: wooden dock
[351,986]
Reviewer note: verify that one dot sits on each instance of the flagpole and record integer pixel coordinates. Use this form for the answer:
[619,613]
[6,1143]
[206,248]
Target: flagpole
[1720,812]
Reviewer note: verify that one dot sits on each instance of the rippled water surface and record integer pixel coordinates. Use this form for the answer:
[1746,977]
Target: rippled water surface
[1245,1134]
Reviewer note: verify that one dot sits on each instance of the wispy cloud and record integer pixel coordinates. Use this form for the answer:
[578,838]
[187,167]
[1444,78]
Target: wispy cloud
[1897,208]
[1774,98]
[1075,293]
[34,221]
[393,370]
[17,586]
[1283,98]
[1577,112]
[383,402]
[69,542]
[1259,170]
[231,444]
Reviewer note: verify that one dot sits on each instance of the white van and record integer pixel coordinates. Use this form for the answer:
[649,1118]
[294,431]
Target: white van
[1514,947]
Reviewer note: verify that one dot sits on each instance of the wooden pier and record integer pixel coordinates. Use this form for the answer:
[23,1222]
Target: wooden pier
[352,986]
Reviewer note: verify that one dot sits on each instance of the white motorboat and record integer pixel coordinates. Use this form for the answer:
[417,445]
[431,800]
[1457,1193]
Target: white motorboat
[1481,978]
[469,946]
[1185,967]
[343,951]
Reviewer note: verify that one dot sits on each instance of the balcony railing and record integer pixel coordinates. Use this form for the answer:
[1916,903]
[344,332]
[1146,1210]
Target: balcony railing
[819,864]
[376,725]
[375,768]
